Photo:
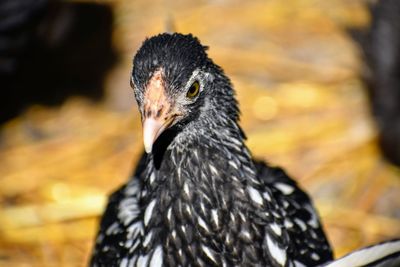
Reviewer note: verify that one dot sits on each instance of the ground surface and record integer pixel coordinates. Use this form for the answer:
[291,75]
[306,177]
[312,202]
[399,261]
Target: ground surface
[303,107]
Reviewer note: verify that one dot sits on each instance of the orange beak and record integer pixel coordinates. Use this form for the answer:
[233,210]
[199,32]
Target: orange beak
[157,112]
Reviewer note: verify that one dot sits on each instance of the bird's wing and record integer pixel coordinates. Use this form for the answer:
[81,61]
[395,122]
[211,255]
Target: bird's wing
[308,243]
[121,226]
[386,254]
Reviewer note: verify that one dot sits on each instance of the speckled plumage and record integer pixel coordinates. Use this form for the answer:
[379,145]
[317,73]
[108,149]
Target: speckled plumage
[199,199]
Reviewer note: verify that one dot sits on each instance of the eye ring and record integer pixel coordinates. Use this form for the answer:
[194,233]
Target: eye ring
[193,90]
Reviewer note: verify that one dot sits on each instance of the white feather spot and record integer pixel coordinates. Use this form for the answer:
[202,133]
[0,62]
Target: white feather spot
[213,169]
[245,234]
[267,196]
[169,214]
[313,222]
[142,260]
[183,229]
[132,261]
[242,217]
[251,171]
[133,188]
[188,210]
[233,218]
[152,177]
[276,252]
[128,210]
[315,256]
[124,262]
[128,243]
[134,230]
[255,195]
[208,252]
[228,239]
[276,228]
[202,207]
[313,234]
[202,223]
[284,188]
[157,257]
[236,141]
[149,211]
[234,178]
[186,189]
[112,229]
[301,224]
[285,204]
[214,216]
[233,164]
[179,174]
[288,224]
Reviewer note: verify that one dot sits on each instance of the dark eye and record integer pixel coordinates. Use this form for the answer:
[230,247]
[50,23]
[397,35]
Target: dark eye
[193,90]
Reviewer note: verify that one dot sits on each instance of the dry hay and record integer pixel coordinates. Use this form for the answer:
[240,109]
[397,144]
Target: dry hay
[303,106]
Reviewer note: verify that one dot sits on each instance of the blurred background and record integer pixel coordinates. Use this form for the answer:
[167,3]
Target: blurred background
[317,83]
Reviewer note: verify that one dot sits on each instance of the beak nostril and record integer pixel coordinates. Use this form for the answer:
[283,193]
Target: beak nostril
[147,113]
[159,111]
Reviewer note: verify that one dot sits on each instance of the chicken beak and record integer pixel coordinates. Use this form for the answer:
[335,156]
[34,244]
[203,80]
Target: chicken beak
[157,113]
[152,128]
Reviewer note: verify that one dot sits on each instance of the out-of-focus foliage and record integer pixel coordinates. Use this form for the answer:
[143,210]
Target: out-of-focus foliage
[296,73]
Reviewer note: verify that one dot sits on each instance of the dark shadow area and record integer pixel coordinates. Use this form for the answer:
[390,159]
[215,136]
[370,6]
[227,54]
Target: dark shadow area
[50,50]
[161,144]
[381,51]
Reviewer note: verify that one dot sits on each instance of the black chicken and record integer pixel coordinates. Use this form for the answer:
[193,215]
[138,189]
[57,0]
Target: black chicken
[381,52]
[198,198]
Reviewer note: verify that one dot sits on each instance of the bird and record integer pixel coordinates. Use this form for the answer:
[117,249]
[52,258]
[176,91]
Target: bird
[197,196]
[380,46]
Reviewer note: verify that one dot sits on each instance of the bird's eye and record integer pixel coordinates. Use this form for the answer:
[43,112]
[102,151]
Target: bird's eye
[193,90]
